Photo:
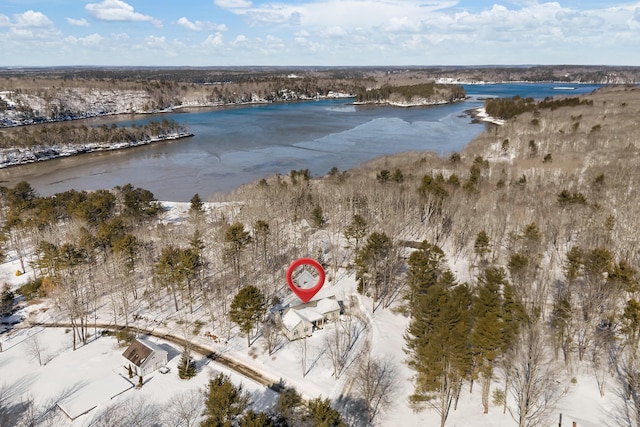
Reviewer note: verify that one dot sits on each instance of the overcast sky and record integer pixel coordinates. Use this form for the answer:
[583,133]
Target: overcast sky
[318,32]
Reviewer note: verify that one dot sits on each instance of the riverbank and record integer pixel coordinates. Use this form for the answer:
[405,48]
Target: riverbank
[22,156]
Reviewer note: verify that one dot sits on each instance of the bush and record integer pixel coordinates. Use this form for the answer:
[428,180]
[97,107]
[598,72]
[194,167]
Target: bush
[186,367]
[498,397]
[31,289]
[124,336]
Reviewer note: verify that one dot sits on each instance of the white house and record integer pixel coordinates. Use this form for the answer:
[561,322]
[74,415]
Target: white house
[301,320]
[144,357]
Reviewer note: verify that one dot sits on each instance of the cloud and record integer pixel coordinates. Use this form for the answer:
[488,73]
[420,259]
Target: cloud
[31,19]
[200,25]
[78,22]
[4,20]
[232,4]
[90,40]
[214,40]
[239,40]
[155,41]
[117,10]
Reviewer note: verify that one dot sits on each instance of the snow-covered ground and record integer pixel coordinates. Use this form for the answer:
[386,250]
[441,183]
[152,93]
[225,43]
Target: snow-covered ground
[93,376]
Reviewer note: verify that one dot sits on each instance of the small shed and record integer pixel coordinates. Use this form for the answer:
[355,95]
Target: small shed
[144,357]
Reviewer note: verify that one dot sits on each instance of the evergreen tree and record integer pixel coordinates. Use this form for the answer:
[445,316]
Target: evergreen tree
[246,309]
[261,234]
[196,205]
[224,402]
[631,326]
[235,239]
[139,205]
[426,265]
[257,419]
[437,341]
[321,414]
[6,300]
[186,367]
[317,217]
[288,405]
[482,245]
[377,264]
[486,334]
[356,230]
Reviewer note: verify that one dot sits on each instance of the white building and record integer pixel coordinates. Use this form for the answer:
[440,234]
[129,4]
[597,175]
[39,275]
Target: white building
[144,357]
[301,320]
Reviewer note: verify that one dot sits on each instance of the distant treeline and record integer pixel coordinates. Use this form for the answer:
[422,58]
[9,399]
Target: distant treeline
[50,135]
[423,90]
[506,108]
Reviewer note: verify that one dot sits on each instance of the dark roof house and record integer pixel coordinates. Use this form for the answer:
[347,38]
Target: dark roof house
[144,357]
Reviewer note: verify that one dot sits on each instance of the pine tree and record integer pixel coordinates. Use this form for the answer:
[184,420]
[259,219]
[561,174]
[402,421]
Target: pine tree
[482,245]
[425,268]
[186,367]
[6,300]
[224,402]
[246,309]
[356,230]
[257,419]
[437,341]
[236,238]
[196,206]
[375,263]
[321,414]
[486,335]
[288,405]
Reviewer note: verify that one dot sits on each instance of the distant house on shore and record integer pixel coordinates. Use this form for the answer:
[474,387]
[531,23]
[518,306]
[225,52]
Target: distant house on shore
[302,320]
[144,357]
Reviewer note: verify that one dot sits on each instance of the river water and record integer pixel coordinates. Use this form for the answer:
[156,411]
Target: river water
[238,145]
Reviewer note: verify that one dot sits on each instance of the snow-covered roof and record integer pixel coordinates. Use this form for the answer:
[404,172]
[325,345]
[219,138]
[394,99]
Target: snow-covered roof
[291,319]
[292,316]
[305,280]
[327,305]
[139,350]
[310,313]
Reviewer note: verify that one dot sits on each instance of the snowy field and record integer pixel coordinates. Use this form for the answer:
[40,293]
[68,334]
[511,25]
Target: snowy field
[87,381]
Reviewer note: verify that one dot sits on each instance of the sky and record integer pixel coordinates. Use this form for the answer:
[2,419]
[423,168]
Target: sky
[318,32]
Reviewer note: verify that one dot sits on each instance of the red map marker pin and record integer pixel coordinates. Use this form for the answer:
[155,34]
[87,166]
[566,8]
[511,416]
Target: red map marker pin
[305,294]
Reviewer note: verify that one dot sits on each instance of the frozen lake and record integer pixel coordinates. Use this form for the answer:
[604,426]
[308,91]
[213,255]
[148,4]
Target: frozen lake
[233,146]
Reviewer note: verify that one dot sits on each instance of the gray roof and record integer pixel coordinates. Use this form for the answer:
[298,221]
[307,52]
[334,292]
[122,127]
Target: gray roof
[139,350]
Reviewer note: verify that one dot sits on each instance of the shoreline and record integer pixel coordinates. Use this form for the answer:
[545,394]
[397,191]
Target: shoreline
[173,109]
[13,157]
[480,114]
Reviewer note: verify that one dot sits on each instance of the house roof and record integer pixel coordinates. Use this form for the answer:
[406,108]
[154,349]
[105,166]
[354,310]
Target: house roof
[139,350]
[291,319]
[305,280]
[292,316]
[327,305]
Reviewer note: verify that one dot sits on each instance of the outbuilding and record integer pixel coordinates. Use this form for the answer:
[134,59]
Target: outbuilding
[144,357]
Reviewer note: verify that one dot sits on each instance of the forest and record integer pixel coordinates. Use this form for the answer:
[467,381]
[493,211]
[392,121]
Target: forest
[516,261]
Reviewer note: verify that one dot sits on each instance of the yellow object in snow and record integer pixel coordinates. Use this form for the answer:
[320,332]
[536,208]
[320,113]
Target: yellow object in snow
[18,273]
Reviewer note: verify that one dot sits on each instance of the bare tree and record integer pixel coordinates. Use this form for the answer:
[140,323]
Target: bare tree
[184,409]
[271,334]
[138,412]
[301,345]
[337,345]
[35,349]
[375,381]
[534,381]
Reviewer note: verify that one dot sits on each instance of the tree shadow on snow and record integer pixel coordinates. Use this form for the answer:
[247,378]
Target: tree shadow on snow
[353,411]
